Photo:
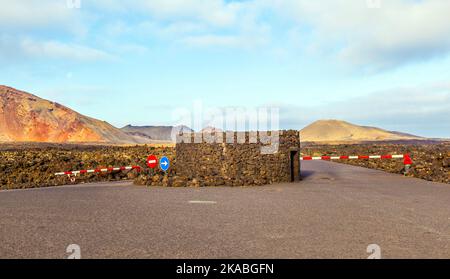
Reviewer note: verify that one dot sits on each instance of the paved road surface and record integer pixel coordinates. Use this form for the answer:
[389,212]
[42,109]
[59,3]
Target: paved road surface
[336,212]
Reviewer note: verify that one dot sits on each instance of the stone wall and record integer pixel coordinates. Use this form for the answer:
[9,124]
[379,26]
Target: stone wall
[236,164]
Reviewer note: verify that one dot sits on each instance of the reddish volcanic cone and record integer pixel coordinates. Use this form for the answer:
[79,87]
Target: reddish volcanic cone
[25,117]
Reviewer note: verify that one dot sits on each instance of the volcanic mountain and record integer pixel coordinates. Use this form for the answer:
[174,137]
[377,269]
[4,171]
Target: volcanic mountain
[341,131]
[28,118]
[155,133]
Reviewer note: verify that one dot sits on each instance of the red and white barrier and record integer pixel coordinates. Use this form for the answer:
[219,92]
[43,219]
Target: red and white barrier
[98,170]
[406,158]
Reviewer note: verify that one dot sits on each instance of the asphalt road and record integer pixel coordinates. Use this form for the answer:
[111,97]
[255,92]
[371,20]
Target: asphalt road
[336,212]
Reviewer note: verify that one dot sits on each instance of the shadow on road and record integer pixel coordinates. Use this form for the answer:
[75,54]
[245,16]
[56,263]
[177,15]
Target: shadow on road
[306,173]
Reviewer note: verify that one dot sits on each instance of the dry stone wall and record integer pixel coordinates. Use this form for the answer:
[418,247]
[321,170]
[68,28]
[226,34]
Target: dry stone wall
[236,164]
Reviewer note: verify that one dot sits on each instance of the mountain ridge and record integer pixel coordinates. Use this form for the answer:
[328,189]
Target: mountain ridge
[333,130]
[24,117]
[155,133]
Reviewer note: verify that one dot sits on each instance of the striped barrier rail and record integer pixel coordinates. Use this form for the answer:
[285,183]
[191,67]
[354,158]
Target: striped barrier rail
[406,158]
[100,170]
[407,161]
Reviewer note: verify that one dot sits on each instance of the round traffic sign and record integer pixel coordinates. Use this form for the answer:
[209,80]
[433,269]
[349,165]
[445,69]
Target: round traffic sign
[164,163]
[152,161]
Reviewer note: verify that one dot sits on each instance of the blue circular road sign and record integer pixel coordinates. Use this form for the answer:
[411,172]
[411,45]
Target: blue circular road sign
[164,163]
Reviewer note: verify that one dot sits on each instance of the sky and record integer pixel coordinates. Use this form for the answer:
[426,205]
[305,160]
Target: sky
[381,63]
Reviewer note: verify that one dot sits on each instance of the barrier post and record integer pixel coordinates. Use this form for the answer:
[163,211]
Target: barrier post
[407,162]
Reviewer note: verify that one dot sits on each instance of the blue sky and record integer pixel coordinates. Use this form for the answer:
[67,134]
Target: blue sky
[381,63]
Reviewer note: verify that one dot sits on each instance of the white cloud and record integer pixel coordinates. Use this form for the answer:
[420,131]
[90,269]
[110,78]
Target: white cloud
[28,26]
[30,15]
[11,48]
[212,40]
[236,41]
[214,12]
[32,12]
[200,23]
[54,49]
[400,31]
